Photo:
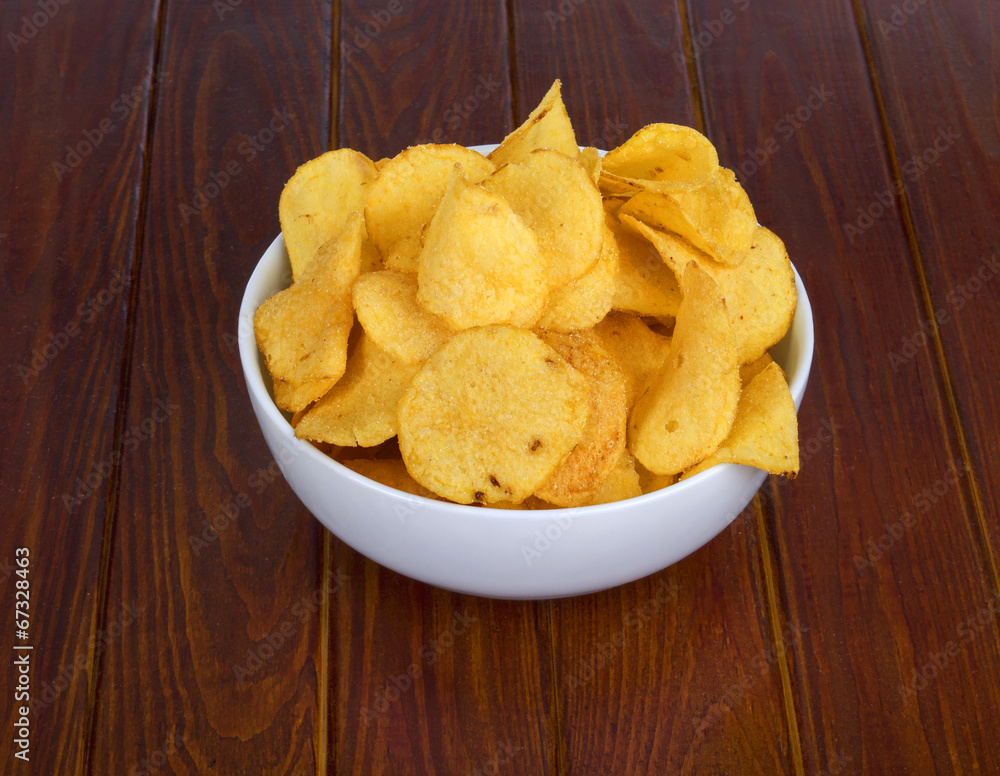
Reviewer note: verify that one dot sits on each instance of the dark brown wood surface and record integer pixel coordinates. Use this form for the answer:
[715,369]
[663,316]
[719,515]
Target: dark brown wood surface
[820,633]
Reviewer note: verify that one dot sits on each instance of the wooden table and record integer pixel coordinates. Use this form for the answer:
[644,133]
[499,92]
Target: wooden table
[845,623]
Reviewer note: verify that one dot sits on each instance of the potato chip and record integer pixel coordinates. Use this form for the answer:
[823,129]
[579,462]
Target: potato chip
[387,309]
[661,157]
[578,477]
[548,126]
[689,408]
[765,431]
[649,482]
[491,415]
[480,264]
[644,284]
[390,472]
[556,198]
[621,483]
[360,410]
[318,199]
[749,371]
[640,351]
[303,330]
[716,218]
[581,303]
[590,160]
[406,193]
[759,292]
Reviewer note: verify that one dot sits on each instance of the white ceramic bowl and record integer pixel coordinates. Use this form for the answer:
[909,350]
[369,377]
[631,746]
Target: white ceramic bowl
[496,552]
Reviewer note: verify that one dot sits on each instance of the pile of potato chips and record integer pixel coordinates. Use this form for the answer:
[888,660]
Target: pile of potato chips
[540,327]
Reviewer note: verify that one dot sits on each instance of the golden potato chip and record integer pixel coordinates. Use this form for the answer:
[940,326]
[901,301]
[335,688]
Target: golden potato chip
[390,472]
[644,284]
[360,410]
[689,408]
[578,477]
[548,126]
[406,193]
[590,160]
[491,415]
[749,371]
[387,309]
[759,292]
[556,198]
[318,199]
[640,351]
[581,303]
[481,264]
[662,157]
[716,218]
[765,432]
[303,330]
[621,483]
[649,482]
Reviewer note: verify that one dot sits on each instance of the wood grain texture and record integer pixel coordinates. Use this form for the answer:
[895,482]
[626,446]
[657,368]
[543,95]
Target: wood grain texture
[71,172]
[431,681]
[221,671]
[878,548]
[685,675]
[939,70]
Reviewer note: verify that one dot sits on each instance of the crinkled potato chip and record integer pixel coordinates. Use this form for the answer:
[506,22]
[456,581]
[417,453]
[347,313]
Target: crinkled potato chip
[688,410]
[661,157]
[578,477]
[387,309]
[581,303]
[765,433]
[481,264]
[390,472]
[548,126]
[406,193]
[621,483]
[491,415]
[716,218]
[303,330]
[645,284]
[759,292]
[640,351]
[556,198]
[360,410]
[318,199]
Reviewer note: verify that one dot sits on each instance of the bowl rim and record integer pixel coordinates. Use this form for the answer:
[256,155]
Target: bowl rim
[253,369]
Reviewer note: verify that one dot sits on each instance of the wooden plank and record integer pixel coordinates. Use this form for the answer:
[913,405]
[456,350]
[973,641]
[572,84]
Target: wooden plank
[685,673]
[938,70]
[73,107]
[431,681]
[223,670]
[877,546]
